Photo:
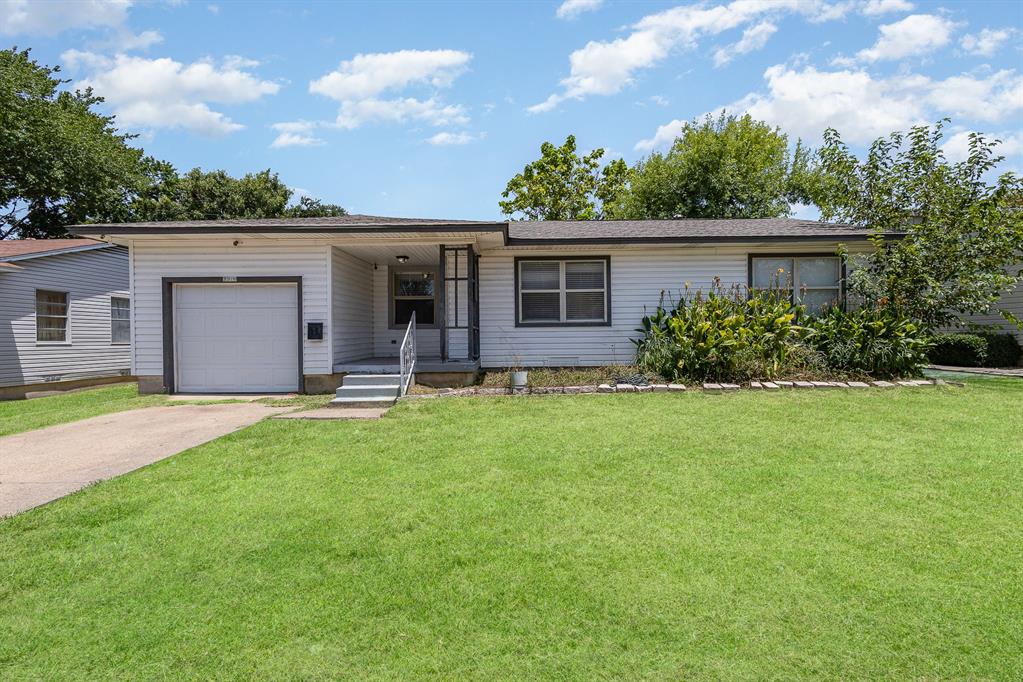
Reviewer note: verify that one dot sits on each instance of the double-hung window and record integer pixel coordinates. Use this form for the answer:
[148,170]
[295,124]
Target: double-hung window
[51,316]
[554,291]
[814,281]
[413,291]
[120,320]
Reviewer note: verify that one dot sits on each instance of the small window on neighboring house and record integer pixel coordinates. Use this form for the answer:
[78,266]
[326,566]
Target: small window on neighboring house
[563,292]
[814,281]
[413,291]
[51,316]
[120,320]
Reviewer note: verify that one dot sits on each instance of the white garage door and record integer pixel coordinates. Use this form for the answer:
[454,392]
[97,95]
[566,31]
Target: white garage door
[236,337]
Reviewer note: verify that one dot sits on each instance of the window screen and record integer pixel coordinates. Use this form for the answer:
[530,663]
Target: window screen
[814,281]
[51,316]
[562,291]
[413,292]
[120,320]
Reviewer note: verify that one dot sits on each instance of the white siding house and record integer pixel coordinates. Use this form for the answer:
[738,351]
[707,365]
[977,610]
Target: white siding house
[485,294]
[64,309]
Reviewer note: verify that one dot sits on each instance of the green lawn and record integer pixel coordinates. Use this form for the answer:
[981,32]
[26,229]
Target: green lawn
[25,415]
[831,534]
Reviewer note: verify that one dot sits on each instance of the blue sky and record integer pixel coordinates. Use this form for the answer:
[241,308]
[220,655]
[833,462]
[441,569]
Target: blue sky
[426,109]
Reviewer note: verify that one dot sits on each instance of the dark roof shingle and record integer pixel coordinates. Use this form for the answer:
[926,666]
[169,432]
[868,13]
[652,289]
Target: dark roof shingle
[685,229]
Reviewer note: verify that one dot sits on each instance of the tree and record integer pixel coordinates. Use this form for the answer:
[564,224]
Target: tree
[961,231]
[724,167]
[307,207]
[215,195]
[561,185]
[60,162]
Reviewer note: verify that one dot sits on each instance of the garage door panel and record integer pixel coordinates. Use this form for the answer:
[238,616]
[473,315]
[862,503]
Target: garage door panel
[236,337]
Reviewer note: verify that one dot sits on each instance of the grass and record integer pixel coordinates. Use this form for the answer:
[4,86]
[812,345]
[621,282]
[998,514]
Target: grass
[24,415]
[832,534]
[566,376]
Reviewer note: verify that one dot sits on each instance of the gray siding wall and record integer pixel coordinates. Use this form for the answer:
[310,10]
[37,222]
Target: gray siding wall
[638,276]
[215,257]
[386,341]
[90,278]
[352,306]
[1011,301]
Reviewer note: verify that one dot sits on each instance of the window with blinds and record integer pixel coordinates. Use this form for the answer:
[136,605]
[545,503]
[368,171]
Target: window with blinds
[554,291]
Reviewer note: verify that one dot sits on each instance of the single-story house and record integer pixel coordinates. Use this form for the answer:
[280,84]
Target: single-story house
[64,314]
[276,305]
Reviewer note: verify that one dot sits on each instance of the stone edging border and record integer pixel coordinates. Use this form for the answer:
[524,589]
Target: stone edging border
[765,386]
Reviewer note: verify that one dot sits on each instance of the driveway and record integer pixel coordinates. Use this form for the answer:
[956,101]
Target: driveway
[42,465]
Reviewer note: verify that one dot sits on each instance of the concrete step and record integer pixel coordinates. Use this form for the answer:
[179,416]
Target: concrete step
[371,380]
[367,392]
[362,402]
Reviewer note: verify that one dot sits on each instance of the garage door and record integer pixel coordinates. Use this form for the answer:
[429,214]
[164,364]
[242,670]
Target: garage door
[236,338]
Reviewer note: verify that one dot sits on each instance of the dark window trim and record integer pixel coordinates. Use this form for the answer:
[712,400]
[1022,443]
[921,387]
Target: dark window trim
[167,287]
[112,320]
[799,254]
[607,292]
[67,316]
[392,270]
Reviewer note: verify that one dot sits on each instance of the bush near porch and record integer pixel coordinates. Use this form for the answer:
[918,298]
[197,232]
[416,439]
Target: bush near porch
[737,334]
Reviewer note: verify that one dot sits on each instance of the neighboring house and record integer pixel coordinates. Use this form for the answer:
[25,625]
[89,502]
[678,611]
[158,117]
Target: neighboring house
[294,304]
[1011,301]
[64,314]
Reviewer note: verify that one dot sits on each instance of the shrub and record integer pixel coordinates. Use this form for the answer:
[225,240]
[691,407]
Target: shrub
[1003,349]
[877,341]
[725,335]
[958,350]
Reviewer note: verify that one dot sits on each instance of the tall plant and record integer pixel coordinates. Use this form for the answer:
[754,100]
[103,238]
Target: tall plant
[960,230]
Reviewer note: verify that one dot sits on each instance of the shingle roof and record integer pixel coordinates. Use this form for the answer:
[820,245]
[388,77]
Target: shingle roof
[688,229]
[356,220]
[12,248]
[521,232]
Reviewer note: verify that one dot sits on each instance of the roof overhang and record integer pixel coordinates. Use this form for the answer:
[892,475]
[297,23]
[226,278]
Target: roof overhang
[54,252]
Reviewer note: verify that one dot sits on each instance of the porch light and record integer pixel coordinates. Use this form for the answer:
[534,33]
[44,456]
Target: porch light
[402,259]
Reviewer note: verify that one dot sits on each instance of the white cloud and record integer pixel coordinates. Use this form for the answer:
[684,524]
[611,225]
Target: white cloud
[987,42]
[164,93]
[915,35]
[127,40]
[957,147]
[570,9]
[877,7]
[861,107]
[358,83]
[368,75]
[213,9]
[53,17]
[753,38]
[357,112]
[446,138]
[604,68]
[295,134]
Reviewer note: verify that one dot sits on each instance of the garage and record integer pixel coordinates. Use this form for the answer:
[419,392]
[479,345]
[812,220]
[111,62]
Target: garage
[237,338]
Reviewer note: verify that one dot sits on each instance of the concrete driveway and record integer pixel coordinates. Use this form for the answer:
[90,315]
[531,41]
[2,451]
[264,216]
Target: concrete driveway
[42,465]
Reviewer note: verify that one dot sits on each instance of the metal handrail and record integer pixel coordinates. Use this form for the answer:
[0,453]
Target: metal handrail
[408,355]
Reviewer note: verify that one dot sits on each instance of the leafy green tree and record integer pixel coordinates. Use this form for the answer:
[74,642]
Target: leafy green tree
[961,230]
[60,161]
[724,167]
[561,185]
[307,207]
[213,195]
